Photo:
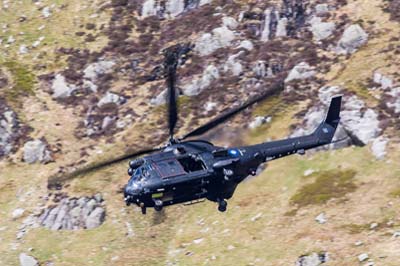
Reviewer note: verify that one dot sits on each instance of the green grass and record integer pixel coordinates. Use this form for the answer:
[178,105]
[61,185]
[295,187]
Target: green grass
[327,185]
[23,81]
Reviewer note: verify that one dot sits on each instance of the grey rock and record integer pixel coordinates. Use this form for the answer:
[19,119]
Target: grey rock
[98,197]
[321,9]
[170,8]
[233,66]
[384,81]
[18,213]
[246,44]
[61,89]
[363,125]
[220,37]
[353,38]
[393,101]
[73,214]
[378,147]
[8,130]
[266,32]
[281,28]
[359,125]
[26,260]
[93,71]
[230,22]
[321,218]
[36,151]
[363,257]
[108,121]
[111,97]
[300,72]
[23,49]
[313,259]
[258,121]
[321,30]
[96,218]
[46,12]
[197,85]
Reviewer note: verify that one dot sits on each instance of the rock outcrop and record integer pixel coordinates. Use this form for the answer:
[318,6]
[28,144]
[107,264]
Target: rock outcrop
[353,38]
[9,129]
[359,124]
[74,214]
[36,151]
[208,43]
[314,259]
[300,72]
[62,89]
[26,260]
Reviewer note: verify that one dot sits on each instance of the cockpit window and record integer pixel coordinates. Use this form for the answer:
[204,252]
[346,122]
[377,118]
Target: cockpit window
[169,168]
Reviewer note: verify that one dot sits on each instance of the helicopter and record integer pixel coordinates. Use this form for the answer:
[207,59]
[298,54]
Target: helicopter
[190,171]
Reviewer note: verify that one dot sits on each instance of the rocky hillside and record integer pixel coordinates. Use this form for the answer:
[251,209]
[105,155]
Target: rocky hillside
[82,82]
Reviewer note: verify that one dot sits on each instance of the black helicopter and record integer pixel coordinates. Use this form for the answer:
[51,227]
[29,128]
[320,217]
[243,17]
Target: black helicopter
[194,170]
[188,171]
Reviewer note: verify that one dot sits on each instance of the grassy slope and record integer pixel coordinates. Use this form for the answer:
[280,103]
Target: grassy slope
[273,239]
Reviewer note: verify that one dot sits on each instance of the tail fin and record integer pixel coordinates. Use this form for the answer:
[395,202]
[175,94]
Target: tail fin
[333,116]
[327,128]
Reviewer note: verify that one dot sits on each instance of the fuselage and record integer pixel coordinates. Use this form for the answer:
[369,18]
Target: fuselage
[188,171]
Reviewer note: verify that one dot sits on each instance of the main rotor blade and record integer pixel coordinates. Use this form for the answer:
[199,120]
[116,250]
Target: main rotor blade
[172,106]
[221,119]
[171,63]
[62,177]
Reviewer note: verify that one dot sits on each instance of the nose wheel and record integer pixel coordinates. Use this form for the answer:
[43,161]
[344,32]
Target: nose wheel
[222,204]
[158,205]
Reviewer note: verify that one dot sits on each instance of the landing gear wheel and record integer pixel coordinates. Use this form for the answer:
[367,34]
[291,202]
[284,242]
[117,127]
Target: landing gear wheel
[222,205]
[143,210]
[158,205]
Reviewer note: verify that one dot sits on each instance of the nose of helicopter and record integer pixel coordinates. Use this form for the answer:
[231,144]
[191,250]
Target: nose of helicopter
[131,195]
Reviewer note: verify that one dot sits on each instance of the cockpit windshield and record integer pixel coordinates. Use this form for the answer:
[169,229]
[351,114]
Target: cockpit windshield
[142,173]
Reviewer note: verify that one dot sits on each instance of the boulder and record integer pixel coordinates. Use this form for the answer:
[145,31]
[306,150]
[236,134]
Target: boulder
[393,101]
[111,97]
[36,151]
[46,12]
[362,125]
[26,260]
[313,259]
[61,89]
[93,71]
[363,257]
[170,8]
[353,38]
[378,147]
[233,66]
[9,132]
[321,9]
[230,22]
[359,125]
[281,28]
[300,72]
[197,85]
[208,43]
[266,32]
[321,30]
[246,44]
[96,218]
[74,214]
[174,7]
[321,219]
[17,213]
[258,121]
[384,81]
